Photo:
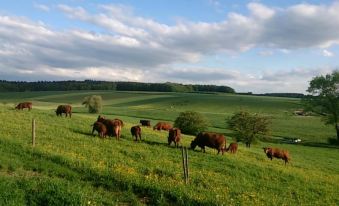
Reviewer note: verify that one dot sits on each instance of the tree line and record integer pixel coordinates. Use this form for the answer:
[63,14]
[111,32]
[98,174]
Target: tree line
[21,86]
[290,95]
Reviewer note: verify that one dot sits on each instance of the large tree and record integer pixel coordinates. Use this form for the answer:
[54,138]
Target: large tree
[324,98]
[248,126]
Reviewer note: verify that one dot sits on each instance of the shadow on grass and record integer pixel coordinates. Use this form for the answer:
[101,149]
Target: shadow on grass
[61,167]
[154,143]
[88,134]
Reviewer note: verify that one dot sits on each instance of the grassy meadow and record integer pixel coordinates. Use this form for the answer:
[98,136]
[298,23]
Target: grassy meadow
[68,166]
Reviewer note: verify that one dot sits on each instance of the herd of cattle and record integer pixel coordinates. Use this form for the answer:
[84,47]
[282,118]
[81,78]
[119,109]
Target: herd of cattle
[112,127]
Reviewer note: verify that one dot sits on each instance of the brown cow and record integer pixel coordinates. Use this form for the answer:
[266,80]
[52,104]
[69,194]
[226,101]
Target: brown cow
[100,128]
[162,126]
[23,105]
[233,147]
[277,153]
[144,122]
[67,109]
[209,139]
[113,126]
[174,135]
[120,122]
[136,132]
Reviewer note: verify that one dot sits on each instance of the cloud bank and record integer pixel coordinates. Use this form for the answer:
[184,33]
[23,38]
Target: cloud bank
[134,48]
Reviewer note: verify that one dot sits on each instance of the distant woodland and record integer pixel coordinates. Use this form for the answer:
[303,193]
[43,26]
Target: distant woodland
[21,86]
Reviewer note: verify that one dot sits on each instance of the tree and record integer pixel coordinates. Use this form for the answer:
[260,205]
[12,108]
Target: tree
[248,126]
[324,98]
[93,103]
[190,122]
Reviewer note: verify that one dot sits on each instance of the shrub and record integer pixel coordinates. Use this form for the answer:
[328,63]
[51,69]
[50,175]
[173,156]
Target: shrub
[93,103]
[248,126]
[190,122]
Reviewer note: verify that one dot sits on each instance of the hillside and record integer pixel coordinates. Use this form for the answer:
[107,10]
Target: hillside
[70,166]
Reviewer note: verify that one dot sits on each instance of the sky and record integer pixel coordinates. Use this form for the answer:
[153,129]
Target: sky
[251,46]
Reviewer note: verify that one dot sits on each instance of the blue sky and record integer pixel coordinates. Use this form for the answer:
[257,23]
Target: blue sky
[257,46]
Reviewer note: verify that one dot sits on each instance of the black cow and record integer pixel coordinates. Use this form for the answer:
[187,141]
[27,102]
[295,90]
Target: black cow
[146,123]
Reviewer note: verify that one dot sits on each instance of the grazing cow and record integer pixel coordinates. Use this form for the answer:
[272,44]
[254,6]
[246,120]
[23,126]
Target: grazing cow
[67,109]
[233,147]
[100,128]
[277,153]
[209,139]
[174,135]
[162,126]
[113,126]
[136,132]
[23,105]
[144,122]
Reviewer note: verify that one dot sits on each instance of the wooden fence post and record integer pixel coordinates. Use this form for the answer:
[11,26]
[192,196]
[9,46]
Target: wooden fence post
[185,163]
[33,132]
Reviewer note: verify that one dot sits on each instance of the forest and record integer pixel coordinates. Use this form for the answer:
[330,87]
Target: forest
[21,86]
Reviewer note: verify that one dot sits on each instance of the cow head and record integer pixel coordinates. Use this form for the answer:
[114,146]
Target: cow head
[100,118]
[193,144]
[266,149]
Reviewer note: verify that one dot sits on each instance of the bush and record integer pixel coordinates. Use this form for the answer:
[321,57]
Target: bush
[93,103]
[190,122]
[248,126]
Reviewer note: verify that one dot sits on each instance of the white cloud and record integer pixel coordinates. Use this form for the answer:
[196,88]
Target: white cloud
[41,7]
[260,11]
[294,80]
[327,53]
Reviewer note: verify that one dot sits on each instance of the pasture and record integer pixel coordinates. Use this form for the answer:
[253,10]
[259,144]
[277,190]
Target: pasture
[70,166]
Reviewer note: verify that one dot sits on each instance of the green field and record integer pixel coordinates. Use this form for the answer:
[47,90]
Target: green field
[69,166]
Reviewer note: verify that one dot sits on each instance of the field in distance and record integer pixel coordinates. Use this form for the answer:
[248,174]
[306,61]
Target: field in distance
[71,166]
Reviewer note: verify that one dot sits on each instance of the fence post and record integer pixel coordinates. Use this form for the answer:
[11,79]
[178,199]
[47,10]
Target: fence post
[185,163]
[33,132]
